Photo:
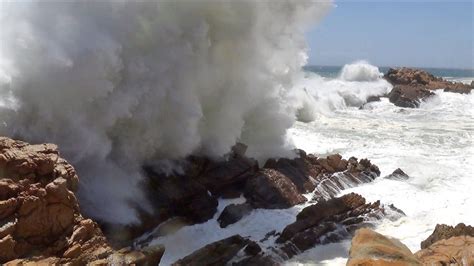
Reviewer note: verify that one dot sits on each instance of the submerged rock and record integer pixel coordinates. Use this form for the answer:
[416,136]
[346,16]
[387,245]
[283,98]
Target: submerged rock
[328,221]
[398,174]
[40,219]
[372,249]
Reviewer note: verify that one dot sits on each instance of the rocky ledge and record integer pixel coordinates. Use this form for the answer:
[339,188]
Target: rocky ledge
[447,245]
[192,196]
[412,86]
[40,219]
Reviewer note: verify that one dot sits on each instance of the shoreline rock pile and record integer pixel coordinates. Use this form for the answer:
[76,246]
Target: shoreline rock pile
[412,86]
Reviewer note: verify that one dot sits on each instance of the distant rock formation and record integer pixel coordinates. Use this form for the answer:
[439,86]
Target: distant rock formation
[40,219]
[412,86]
[446,246]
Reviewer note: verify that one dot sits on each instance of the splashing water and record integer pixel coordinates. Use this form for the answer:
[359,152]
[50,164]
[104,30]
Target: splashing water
[117,84]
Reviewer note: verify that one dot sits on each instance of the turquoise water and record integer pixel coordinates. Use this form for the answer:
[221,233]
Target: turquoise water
[333,71]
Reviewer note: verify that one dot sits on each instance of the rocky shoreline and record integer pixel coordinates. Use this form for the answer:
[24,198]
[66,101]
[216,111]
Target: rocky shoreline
[41,220]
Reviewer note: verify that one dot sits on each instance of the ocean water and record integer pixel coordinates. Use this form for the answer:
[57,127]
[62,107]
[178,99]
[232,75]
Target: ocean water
[432,144]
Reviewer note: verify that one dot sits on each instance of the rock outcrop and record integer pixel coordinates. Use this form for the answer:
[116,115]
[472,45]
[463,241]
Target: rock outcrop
[458,250]
[443,231]
[412,86]
[372,249]
[328,221]
[416,77]
[40,219]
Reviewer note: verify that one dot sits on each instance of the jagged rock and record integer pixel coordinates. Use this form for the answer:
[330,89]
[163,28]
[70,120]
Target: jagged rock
[39,213]
[271,189]
[233,213]
[370,248]
[328,221]
[458,250]
[408,96]
[419,78]
[220,252]
[398,174]
[443,231]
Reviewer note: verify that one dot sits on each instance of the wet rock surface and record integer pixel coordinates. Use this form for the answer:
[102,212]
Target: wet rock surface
[328,221]
[39,214]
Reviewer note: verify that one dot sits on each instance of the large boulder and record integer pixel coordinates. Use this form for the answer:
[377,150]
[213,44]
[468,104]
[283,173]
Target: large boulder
[40,219]
[372,249]
[328,221]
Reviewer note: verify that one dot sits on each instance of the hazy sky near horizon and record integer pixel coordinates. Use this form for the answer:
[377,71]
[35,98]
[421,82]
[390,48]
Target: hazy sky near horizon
[396,33]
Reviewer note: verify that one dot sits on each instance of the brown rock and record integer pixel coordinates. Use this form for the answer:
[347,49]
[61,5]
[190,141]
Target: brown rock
[372,249]
[41,219]
[458,250]
[443,231]
[416,78]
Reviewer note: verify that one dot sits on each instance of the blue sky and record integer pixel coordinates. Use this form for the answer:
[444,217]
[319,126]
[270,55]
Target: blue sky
[396,33]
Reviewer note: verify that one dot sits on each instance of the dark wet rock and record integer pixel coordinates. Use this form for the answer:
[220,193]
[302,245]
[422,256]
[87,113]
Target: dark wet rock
[252,249]
[220,252]
[258,260]
[328,221]
[409,96]
[443,231]
[233,213]
[271,189]
[398,174]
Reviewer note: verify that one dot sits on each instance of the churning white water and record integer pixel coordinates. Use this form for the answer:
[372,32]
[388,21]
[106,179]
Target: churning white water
[432,144]
[117,84]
